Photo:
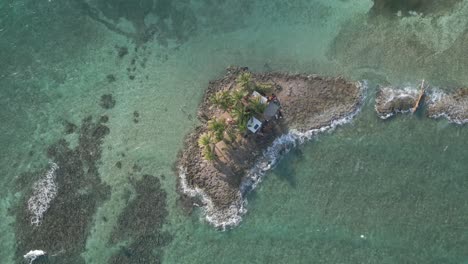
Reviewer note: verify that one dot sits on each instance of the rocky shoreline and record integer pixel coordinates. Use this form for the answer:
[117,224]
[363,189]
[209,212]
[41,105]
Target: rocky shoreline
[309,104]
[454,106]
[390,101]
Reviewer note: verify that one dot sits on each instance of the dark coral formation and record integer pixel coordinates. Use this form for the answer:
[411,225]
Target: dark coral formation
[121,51]
[70,128]
[104,119]
[136,116]
[111,78]
[140,224]
[67,222]
[107,101]
[405,6]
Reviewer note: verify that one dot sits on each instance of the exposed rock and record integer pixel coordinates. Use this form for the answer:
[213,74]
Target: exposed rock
[390,101]
[453,106]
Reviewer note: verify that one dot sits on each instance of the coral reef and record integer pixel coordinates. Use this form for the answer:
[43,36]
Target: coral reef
[140,224]
[64,229]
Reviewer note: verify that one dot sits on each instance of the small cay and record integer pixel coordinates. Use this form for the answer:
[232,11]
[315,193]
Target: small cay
[390,101]
[454,106]
[247,121]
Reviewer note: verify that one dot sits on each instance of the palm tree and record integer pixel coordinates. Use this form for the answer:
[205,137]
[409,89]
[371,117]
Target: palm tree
[263,87]
[207,143]
[208,153]
[204,140]
[237,95]
[231,136]
[222,99]
[241,115]
[257,106]
[217,126]
[244,81]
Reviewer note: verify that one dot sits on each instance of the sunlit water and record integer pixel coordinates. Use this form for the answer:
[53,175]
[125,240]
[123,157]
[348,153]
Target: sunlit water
[372,191]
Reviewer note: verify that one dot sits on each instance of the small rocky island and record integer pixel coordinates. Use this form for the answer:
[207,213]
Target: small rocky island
[390,101]
[454,106]
[247,121]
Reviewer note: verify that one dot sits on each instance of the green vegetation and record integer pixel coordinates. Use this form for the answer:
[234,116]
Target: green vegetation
[240,107]
[208,153]
[264,88]
[217,126]
[222,99]
[256,106]
[205,142]
[244,82]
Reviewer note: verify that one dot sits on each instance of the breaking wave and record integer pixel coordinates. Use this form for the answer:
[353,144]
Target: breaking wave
[452,109]
[44,191]
[395,94]
[232,216]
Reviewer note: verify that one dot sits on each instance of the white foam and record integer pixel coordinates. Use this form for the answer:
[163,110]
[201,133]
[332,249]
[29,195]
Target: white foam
[232,216]
[33,255]
[44,191]
[220,218]
[394,94]
[436,96]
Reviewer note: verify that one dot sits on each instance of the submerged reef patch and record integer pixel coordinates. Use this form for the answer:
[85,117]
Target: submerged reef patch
[107,101]
[412,6]
[65,226]
[140,224]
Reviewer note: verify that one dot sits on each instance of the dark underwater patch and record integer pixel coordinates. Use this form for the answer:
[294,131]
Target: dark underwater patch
[66,224]
[140,224]
[107,101]
[420,6]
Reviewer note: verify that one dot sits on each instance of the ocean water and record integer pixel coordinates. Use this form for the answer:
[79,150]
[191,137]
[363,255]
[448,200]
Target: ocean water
[371,191]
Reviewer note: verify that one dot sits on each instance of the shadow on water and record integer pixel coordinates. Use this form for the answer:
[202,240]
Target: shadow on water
[163,20]
[286,170]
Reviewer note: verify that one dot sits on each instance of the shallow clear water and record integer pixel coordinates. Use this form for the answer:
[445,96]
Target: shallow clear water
[369,192]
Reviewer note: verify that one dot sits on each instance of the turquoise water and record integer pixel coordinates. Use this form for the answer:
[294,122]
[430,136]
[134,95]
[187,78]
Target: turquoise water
[370,192]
